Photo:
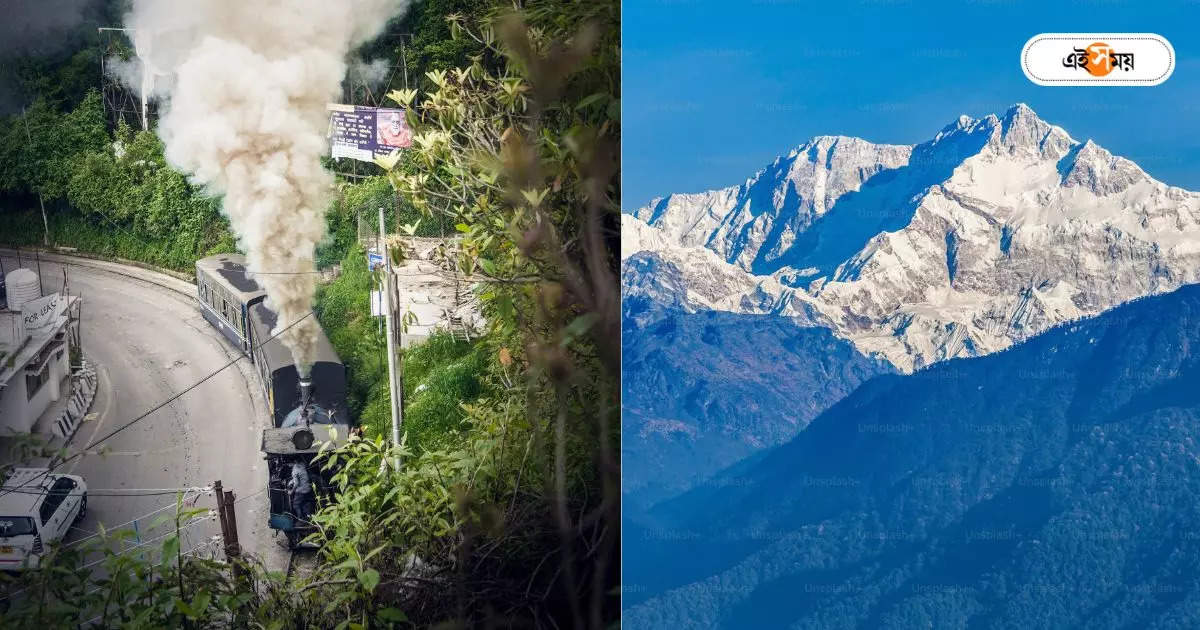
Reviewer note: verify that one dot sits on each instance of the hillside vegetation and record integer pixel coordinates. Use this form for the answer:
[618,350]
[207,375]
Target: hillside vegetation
[504,508]
[1047,486]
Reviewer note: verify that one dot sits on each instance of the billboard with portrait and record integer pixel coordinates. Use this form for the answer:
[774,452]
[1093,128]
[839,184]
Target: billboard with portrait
[364,133]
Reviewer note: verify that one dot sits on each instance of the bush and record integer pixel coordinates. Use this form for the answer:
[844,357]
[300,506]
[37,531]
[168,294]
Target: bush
[108,195]
[439,373]
[361,200]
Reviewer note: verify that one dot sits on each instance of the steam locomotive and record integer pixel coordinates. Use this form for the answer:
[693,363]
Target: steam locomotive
[305,412]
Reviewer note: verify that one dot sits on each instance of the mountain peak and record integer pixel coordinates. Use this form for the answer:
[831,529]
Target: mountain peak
[984,222]
[962,123]
[1020,109]
[821,143]
[1098,170]
[1020,128]
[1022,119]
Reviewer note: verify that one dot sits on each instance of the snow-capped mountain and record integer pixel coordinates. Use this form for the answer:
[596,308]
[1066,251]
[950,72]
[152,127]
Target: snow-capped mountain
[992,231]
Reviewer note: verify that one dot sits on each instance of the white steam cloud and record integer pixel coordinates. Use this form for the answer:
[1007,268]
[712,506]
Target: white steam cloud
[244,114]
[128,72]
[373,73]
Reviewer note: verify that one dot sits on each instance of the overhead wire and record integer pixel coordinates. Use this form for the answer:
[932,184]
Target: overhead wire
[6,491]
[122,525]
[114,492]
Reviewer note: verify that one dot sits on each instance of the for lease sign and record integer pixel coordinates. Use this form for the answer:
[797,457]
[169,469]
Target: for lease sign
[43,311]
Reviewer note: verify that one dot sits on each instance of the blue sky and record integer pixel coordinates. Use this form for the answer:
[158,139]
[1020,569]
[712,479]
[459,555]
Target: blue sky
[713,91]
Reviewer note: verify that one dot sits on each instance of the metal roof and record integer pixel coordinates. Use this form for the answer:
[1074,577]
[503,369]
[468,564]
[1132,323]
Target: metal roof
[27,488]
[262,319]
[230,271]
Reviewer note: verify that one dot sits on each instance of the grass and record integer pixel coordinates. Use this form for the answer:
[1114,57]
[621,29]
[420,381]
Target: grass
[439,373]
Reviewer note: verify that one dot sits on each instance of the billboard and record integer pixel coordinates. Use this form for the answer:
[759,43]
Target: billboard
[364,133]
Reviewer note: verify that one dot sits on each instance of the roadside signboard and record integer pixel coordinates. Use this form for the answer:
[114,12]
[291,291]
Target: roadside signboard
[364,133]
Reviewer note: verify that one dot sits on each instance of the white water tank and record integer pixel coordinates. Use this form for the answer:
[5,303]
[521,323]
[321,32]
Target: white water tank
[23,286]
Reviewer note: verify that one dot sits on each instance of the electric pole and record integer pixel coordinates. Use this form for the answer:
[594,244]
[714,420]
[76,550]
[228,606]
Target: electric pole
[41,202]
[397,392]
[229,534]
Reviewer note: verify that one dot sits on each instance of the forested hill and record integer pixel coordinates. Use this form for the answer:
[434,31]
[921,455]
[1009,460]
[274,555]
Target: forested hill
[106,187]
[704,389]
[1052,485]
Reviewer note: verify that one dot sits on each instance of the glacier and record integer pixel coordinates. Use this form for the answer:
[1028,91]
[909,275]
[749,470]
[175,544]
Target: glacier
[991,232]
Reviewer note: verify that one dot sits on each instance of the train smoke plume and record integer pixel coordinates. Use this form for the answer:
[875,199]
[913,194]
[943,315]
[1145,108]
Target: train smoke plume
[243,88]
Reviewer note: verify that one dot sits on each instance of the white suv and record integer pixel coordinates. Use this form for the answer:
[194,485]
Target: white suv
[36,509]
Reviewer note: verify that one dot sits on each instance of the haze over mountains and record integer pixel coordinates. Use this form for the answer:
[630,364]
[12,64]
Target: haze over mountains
[1051,485]
[862,288]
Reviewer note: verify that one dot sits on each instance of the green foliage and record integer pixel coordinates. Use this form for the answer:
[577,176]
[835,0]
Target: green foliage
[40,145]
[518,150]
[344,310]
[408,524]
[113,196]
[428,44]
[440,373]
[501,506]
[523,161]
[160,586]
[360,201]
[63,78]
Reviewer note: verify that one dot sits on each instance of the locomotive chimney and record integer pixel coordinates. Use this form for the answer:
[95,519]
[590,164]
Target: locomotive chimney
[306,388]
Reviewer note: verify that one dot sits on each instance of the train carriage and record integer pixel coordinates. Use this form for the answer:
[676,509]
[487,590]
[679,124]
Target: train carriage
[235,304]
[281,381]
[225,295]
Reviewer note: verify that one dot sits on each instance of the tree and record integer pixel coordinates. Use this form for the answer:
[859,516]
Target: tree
[520,149]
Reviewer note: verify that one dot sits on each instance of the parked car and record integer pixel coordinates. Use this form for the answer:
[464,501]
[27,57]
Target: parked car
[37,508]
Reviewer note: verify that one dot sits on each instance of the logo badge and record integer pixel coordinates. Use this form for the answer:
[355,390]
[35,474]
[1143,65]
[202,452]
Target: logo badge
[1098,59]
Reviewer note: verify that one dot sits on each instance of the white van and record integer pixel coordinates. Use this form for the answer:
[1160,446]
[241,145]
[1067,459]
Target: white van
[36,510]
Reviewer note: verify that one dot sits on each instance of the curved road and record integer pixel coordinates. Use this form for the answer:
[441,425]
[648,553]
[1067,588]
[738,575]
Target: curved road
[149,343]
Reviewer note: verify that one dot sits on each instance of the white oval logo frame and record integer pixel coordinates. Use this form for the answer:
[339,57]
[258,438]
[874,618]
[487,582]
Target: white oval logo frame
[1042,59]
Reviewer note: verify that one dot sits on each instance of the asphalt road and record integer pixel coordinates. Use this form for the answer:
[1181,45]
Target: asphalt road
[149,343]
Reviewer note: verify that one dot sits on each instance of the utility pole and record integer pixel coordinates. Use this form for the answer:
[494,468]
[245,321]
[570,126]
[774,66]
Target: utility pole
[397,393]
[231,518]
[229,535]
[404,60]
[221,514]
[41,202]
[38,255]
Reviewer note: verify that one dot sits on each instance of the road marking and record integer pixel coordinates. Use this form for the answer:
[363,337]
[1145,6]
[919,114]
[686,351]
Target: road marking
[104,453]
[106,384]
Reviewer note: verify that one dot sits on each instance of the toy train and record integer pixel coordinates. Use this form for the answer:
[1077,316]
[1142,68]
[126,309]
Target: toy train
[304,413]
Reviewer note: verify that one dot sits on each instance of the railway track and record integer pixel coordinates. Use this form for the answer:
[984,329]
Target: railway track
[301,562]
